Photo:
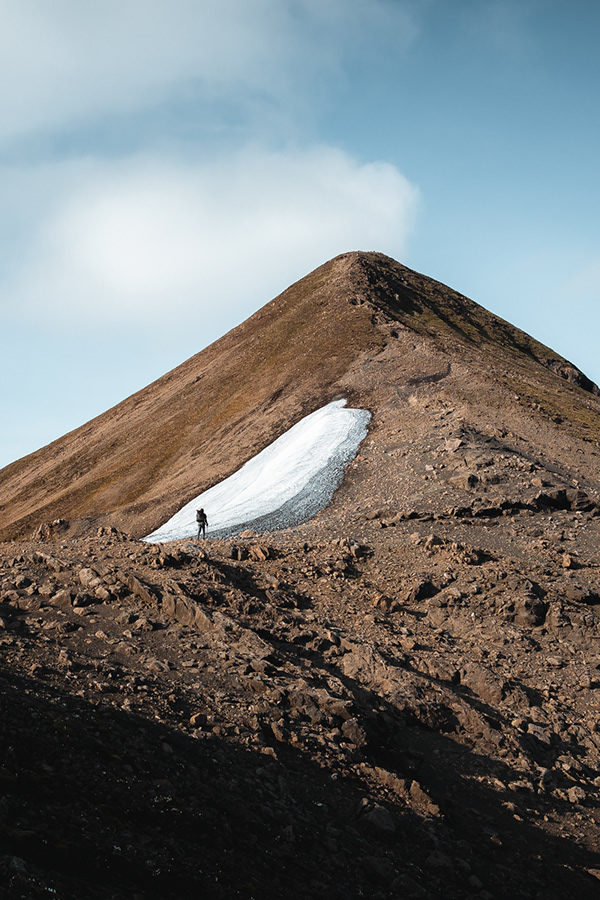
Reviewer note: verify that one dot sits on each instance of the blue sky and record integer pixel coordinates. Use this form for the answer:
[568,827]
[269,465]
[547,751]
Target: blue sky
[168,166]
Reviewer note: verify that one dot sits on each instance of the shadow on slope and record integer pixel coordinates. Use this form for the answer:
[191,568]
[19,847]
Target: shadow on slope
[99,802]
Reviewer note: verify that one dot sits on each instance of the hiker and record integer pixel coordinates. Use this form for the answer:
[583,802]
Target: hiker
[202,523]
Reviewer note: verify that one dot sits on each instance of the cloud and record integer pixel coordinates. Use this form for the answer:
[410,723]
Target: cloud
[105,237]
[67,61]
[142,238]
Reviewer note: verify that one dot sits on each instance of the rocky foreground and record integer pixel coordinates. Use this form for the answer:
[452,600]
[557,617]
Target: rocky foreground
[407,705]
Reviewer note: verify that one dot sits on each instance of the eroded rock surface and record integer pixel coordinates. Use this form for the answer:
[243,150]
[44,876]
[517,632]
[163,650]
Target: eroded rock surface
[409,710]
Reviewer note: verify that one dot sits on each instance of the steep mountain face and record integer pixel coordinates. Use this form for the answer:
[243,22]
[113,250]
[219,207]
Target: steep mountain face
[361,326]
[397,698]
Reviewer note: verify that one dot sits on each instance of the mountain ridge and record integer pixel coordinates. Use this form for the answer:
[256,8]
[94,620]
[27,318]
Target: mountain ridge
[135,464]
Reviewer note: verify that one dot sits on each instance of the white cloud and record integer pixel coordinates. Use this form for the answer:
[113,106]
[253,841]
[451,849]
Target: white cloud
[108,238]
[66,61]
[150,236]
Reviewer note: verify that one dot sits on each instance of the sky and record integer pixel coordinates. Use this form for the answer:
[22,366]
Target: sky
[169,166]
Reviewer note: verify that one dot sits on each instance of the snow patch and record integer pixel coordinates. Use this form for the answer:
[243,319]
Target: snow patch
[285,484]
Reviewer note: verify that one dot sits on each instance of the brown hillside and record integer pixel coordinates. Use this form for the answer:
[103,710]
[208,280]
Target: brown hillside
[362,326]
[397,698]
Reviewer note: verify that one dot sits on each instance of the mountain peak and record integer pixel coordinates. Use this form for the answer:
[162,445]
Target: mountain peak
[362,327]
[404,296]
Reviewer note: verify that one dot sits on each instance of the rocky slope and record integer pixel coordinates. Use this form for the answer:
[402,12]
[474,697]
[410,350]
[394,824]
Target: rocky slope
[399,698]
[408,709]
[361,326]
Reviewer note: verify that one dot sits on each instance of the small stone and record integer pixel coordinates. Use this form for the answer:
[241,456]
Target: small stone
[259,552]
[64,659]
[155,665]
[143,624]
[140,590]
[433,540]
[540,733]
[422,800]
[89,578]
[280,733]
[354,733]
[376,816]
[576,794]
